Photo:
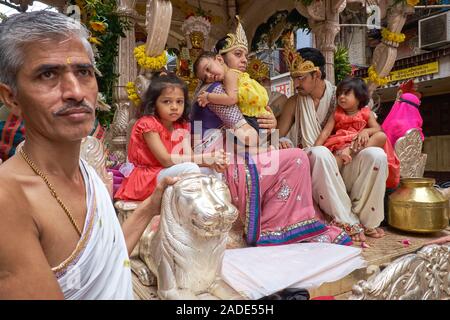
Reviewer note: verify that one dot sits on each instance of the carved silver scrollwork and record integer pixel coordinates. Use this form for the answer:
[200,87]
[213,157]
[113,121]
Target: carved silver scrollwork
[409,151]
[159,16]
[420,276]
[93,152]
[119,129]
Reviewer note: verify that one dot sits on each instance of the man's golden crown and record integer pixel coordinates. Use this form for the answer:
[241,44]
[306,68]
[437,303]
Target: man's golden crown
[236,40]
[296,64]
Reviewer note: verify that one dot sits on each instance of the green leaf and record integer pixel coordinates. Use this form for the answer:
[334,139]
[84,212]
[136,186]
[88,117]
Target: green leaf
[342,66]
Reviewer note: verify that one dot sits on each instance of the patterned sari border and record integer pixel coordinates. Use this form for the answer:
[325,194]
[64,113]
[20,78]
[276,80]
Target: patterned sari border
[252,227]
[343,239]
[293,233]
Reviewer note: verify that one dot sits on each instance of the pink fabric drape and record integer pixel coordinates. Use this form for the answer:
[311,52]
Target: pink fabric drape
[403,116]
[278,208]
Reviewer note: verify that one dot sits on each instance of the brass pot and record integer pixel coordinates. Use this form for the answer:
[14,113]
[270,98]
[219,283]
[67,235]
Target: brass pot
[418,207]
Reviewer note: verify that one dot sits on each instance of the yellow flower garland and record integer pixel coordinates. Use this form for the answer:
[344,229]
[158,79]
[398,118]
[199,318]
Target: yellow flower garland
[98,26]
[151,63]
[132,94]
[95,41]
[392,36]
[373,76]
[412,3]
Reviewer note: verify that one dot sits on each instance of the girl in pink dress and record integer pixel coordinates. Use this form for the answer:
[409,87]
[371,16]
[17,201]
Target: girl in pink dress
[353,126]
[160,140]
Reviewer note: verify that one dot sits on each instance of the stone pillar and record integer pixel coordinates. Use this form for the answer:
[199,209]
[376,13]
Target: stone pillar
[385,53]
[325,32]
[127,70]
[323,18]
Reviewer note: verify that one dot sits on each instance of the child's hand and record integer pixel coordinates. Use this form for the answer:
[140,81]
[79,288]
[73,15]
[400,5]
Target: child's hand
[361,140]
[202,99]
[285,143]
[221,157]
[220,168]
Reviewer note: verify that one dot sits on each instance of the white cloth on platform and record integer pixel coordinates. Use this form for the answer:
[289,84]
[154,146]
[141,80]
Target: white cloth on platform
[99,267]
[256,272]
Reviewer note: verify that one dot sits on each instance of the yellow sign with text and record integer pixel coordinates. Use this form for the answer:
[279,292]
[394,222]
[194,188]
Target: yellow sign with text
[414,72]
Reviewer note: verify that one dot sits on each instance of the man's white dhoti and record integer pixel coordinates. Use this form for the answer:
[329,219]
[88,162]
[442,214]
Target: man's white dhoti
[99,267]
[356,193]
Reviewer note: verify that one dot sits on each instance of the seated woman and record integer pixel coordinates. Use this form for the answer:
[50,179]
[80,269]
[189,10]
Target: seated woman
[273,190]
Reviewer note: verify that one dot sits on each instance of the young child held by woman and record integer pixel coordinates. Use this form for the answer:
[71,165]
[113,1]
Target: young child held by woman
[241,90]
[353,126]
[160,143]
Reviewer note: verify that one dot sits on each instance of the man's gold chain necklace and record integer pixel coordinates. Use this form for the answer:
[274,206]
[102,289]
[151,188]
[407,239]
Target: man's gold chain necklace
[52,190]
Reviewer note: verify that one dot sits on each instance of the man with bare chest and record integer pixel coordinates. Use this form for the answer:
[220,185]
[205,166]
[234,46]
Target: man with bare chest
[59,236]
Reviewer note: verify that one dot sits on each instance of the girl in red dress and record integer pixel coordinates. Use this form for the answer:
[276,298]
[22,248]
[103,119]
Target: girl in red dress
[160,143]
[353,126]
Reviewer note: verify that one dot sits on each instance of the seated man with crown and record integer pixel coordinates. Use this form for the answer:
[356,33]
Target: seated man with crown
[352,197]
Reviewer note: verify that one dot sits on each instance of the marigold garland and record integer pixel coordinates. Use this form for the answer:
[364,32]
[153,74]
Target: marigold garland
[95,41]
[392,36]
[375,78]
[98,26]
[132,94]
[412,3]
[150,63]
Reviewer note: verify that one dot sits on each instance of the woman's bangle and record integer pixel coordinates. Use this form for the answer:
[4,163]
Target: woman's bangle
[207,94]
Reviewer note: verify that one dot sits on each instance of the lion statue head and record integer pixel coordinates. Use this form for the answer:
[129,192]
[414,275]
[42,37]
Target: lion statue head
[208,202]
[186,251]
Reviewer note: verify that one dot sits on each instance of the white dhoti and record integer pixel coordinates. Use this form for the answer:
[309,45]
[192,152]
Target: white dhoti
[356,194]
[99,267]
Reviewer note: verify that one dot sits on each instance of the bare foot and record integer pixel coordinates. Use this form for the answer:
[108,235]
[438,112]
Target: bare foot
[346,158]
[374,232]
[358,237]
[345,155]
[441,240]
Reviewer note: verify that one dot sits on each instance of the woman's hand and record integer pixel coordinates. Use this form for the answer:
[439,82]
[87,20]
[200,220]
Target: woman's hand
[267,120]
[202,99]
